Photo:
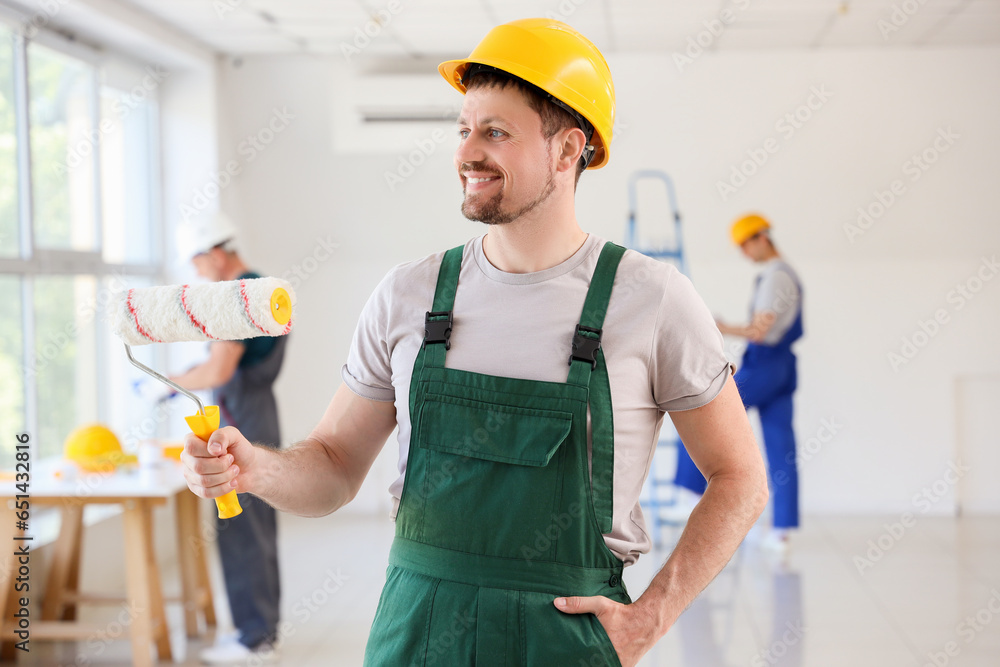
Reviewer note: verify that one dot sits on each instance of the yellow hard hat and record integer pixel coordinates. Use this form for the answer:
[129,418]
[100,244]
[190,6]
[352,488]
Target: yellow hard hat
[748,226]
[95,448]
[556,58]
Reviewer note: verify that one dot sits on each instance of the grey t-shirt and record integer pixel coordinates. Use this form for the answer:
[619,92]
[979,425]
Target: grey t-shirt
[662,347]
[778,292]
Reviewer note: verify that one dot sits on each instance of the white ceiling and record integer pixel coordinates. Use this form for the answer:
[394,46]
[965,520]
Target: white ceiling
[449,28]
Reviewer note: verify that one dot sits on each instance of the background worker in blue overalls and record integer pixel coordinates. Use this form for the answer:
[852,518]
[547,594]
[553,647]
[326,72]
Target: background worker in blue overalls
[527,373]
[241,375]
[767,377]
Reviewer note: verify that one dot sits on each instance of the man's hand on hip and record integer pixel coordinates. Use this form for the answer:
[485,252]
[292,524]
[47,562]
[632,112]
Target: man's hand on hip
[629,626]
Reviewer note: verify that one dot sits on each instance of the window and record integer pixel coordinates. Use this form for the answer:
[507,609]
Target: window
[77,137]
[9,237]
[126,176]
[65,354]
[11,344]
[61,92]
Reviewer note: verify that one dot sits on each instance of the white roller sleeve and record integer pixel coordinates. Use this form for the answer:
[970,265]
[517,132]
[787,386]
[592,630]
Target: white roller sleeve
[231,310]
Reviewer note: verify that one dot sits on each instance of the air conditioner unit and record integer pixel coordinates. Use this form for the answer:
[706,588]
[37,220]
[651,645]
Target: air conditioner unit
[386,109]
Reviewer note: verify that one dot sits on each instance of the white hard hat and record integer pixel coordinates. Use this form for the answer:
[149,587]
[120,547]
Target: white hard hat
[201,235]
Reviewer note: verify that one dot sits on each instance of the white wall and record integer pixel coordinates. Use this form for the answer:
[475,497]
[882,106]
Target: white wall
[895,428]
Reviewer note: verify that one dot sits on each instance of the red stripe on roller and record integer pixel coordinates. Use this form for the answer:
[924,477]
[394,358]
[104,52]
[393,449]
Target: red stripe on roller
[246,306]
[135,316]
[194,320]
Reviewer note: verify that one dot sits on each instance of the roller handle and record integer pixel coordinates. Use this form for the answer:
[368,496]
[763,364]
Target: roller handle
[203,426]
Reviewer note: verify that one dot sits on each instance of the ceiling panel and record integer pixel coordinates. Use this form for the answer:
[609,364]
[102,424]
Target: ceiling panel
[426,34]
[427,28]
[351,12]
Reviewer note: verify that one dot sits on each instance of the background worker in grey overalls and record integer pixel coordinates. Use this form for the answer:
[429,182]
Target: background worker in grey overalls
[767,377]
[528,371]
[241,375]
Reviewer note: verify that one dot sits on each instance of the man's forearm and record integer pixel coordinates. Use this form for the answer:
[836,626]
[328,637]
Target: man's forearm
[199,378]
[303,480]
[325,471]
[312,478]
[755,331]
[741,330]
[223,358]
[714,531]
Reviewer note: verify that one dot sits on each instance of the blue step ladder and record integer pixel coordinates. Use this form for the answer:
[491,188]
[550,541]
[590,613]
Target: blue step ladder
[660,491]
[676,252]
[660,484]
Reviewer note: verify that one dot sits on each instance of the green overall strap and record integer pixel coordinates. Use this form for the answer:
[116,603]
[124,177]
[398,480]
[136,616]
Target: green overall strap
[437,324]
[593,371]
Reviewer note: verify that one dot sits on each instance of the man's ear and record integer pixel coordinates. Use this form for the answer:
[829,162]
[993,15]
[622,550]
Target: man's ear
[572,141]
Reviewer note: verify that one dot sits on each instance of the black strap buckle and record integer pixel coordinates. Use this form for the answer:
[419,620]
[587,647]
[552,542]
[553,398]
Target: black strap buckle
[437,330]
[584,347]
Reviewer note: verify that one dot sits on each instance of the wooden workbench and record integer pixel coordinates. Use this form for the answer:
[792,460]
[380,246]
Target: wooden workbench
[137,492]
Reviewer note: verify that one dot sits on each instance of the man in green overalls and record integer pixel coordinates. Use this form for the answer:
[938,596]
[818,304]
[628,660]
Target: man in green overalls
[528,372]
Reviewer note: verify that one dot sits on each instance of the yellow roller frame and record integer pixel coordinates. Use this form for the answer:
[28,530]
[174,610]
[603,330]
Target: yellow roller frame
[203,426]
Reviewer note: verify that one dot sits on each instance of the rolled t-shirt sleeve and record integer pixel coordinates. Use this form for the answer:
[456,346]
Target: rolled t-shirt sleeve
[688,366]
[368,372]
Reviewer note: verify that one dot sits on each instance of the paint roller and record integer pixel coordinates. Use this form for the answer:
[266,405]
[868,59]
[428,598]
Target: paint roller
[229,310]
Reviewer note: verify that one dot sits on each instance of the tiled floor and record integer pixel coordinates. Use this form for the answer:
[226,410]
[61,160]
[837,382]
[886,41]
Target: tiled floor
[853,592]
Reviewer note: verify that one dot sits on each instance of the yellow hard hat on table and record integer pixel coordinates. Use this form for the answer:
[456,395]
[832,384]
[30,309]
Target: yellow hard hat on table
[557,59]
[747,227]
[95,448]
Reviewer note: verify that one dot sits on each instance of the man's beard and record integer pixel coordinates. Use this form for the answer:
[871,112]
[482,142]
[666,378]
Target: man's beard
[491,211]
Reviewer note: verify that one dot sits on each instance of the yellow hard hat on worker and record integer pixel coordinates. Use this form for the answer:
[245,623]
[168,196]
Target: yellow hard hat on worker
[95,448]
[747,227]
[561,62]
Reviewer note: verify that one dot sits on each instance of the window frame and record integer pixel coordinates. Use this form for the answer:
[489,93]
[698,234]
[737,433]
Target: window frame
[32,261]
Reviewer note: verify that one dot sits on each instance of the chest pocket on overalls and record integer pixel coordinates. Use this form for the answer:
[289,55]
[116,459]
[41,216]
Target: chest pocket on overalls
[492,461]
